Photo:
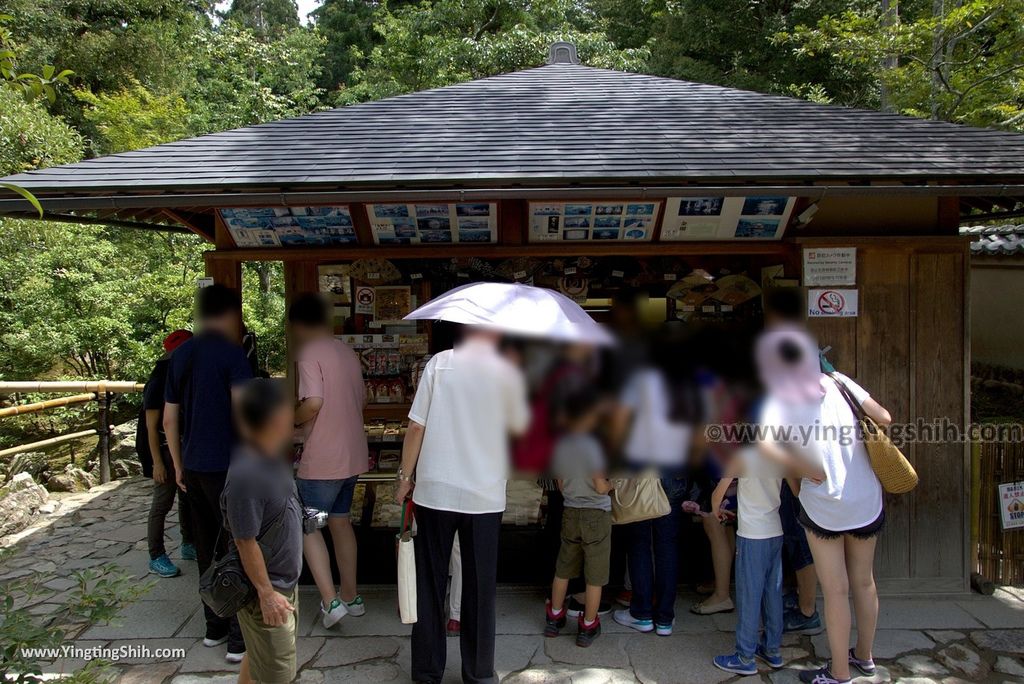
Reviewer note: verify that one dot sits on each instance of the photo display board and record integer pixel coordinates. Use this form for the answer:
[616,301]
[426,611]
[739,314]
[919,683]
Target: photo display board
[289,226]
[762,217]
[618,221]
[426,223]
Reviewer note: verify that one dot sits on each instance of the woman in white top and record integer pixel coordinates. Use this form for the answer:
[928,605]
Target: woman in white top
[809,424]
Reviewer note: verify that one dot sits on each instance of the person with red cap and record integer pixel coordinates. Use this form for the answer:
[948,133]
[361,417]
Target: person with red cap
[151,445]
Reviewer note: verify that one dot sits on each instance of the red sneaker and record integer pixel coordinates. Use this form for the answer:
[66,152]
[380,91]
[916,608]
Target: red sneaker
[454,628]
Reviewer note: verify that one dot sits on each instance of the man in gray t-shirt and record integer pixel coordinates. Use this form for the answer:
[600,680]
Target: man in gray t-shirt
[258,490]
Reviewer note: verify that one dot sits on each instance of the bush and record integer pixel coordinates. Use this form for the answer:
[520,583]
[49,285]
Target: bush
[30,137]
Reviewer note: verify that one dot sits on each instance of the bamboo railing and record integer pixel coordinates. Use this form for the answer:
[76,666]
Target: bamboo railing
[101,391]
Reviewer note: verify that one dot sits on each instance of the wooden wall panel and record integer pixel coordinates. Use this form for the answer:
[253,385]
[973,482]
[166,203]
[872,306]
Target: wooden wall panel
[939,502]
[884,369]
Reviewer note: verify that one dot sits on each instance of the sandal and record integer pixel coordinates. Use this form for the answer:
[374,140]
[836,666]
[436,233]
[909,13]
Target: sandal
[705,608]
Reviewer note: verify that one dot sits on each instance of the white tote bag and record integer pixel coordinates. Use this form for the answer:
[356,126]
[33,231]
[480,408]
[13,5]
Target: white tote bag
[406,571]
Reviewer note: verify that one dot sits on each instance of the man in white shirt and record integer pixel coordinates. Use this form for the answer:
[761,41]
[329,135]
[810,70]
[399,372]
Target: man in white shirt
[469,401]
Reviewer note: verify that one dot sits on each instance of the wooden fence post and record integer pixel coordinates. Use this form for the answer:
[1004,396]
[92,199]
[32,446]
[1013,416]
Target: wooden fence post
[104,431]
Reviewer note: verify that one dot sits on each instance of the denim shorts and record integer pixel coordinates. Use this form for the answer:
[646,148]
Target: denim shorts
[332,496]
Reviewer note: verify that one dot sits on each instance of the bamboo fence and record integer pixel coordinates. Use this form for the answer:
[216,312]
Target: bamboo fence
[1000,555]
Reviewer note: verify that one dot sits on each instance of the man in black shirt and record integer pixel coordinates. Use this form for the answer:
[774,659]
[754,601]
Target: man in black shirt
[151,444]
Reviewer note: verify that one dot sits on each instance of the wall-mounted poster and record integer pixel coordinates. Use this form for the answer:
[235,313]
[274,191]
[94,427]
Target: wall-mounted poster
[726,218]
[289,226]
[618,221]
[431,223]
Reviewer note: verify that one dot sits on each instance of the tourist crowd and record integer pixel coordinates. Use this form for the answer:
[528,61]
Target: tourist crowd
[619,439]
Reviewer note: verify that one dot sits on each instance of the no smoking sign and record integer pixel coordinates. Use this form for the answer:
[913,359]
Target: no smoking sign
[832,303]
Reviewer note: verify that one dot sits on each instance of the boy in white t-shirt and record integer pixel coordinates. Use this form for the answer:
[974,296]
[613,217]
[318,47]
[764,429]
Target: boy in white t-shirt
[758,560]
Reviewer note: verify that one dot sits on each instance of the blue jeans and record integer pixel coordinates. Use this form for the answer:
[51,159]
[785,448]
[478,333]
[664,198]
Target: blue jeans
[334,497]
[758,594]
[653,556]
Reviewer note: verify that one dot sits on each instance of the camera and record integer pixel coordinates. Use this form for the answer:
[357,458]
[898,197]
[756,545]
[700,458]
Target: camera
[313,520]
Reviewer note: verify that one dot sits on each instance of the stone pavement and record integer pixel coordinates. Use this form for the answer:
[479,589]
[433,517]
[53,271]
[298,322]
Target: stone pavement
[920,640]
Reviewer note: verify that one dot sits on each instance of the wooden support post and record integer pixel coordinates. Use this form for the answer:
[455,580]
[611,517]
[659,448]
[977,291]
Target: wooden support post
[103,428]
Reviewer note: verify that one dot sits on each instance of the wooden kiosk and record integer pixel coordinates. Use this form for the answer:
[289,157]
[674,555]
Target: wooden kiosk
[589,180]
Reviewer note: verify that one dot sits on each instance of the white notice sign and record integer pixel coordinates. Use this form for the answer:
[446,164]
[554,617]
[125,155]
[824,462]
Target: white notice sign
[1011,504]
[831,303]
[830,266]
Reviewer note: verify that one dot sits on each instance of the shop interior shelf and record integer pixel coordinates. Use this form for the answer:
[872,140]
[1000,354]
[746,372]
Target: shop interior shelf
[386,411]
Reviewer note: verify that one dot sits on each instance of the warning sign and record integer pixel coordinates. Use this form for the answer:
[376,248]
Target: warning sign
[830,266]
[365,298]
[831,303]
[1011,504]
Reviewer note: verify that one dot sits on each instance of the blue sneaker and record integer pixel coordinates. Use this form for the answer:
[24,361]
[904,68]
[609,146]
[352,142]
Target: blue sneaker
[163,566]
[790,600]
[736,664]
[188,551]
[773,660]
[624,617]
[795,621]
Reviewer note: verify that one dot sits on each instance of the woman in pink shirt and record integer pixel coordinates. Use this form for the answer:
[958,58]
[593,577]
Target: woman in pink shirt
[331,398]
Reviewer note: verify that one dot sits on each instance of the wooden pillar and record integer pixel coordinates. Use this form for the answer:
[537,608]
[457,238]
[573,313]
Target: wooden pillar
[299,277]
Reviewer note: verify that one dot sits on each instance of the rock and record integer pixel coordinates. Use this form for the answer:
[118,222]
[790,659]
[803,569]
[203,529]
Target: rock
[49,507]
[34,463]
[1006,640]
[922,665]
[963,659]
[72,479]
[1010,666]
[945,636]
[124,468]
[122,442]
[19,500]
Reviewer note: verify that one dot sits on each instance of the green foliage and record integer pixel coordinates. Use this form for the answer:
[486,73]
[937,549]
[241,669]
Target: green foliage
[242,80]
[134,118]
[962,63]
[97,597]
[264,17]
[433,44]
[30,137]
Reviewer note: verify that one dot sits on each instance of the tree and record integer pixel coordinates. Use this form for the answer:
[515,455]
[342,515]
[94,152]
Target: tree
[264,17]
[433,44]
[133,118]
[956,61]
[347,27]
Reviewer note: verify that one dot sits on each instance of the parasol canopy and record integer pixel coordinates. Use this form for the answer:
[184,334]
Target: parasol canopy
[516,308]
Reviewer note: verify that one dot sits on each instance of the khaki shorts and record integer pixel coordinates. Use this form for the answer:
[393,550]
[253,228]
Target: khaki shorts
[586,545]
[270,650]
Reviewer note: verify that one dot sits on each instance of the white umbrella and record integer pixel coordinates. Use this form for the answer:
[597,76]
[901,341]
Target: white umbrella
[515,308]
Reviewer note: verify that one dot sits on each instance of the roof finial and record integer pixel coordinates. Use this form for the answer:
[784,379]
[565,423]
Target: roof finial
[562,52]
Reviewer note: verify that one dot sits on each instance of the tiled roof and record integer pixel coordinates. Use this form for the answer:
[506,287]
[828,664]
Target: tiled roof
[1007,240]
[557,124]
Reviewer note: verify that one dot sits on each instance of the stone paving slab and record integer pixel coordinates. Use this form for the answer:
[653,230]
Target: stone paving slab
[920,640]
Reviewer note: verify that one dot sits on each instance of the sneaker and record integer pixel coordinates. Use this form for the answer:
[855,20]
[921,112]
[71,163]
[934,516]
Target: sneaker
[355,607]
[866,667]
[586,635]
[454,628]
[790,600]
[664,628]
[795,621]
[332,614]
[576,609]
[736,664]
[553,621]
[624,597]
[821,676]
[212,640]
[773,660]
[188,551]
[162,565]
[624,617]
[235,654]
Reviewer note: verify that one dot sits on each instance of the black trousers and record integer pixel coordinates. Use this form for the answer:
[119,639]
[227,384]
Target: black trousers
[160,505]
[478,537]
[204,490]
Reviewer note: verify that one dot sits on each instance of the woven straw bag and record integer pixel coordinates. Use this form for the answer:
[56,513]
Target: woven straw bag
[893,469]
